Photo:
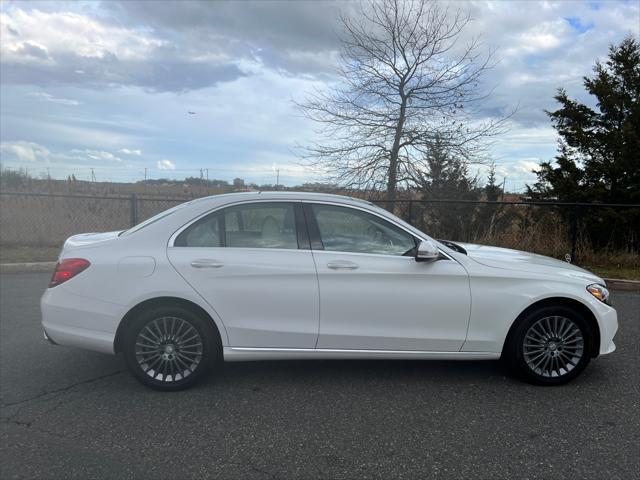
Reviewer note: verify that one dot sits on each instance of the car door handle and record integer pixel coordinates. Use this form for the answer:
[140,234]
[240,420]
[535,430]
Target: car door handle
[342,265]
[204,263]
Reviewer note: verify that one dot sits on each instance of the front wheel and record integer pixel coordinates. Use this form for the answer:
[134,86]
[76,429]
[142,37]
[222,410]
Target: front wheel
[551,346]
[169,348]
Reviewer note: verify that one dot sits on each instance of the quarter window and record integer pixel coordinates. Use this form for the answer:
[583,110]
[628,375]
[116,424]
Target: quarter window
[344,229]
[255,225]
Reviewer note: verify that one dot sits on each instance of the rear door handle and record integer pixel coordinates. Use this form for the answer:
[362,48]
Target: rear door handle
[342,265]
[205,263]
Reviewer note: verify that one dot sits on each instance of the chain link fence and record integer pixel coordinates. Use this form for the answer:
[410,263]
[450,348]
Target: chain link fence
[568,231]
[42,219]
[549,228]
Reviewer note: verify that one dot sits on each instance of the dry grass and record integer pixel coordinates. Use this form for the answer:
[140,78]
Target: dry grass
[186,190]
[48,221]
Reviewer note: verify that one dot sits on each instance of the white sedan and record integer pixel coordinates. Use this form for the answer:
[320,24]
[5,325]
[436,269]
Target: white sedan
[265,276]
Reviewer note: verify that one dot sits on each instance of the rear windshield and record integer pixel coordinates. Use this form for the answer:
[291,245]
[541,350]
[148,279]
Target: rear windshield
[154,219]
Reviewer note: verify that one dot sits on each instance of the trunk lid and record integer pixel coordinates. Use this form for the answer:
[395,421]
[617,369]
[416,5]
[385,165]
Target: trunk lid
[87,239]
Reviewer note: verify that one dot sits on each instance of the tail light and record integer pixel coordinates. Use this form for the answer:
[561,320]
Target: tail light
[67,269]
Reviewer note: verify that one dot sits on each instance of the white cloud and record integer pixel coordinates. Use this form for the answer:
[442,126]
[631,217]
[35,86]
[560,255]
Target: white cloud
[62,46]
[127,151]
[21,152]
[165,165]
[47,97]
[36,36]
[539,37]
[97,155]
[526,166]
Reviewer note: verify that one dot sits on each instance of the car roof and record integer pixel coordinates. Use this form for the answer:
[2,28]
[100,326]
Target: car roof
[281,195]
[189,211]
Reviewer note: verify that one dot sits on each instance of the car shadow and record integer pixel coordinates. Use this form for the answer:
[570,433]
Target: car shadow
[331,372]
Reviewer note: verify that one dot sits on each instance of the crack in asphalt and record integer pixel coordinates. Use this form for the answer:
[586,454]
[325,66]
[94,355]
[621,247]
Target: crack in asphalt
[261,470]
[21,404]
[61,390]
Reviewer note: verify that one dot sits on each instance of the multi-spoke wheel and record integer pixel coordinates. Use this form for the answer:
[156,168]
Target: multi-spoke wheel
[550,346]
[553,346]
[169,348]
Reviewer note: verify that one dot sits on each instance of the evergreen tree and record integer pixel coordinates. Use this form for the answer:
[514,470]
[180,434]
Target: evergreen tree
[599,150]
[492,190]
[447,178]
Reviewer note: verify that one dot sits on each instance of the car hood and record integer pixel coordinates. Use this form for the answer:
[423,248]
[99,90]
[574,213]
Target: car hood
[509,259]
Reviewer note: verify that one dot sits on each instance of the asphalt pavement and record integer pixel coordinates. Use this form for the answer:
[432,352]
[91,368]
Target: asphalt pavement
[67,413]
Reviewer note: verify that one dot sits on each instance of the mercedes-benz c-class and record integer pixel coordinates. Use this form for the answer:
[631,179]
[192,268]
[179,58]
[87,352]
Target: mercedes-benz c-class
[264,276]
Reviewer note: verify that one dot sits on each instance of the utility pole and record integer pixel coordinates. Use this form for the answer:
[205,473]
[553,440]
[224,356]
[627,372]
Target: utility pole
[145,174]
[504,181]
[93,176]
[207,175]
[277,178]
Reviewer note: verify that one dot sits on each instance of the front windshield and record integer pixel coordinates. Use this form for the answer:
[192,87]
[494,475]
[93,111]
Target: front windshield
[153,219]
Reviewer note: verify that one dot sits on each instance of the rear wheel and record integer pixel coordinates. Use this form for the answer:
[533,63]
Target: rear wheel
[551,346]
[169,348]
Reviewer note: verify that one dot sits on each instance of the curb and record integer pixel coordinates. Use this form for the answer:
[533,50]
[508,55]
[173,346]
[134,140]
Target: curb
[32,267]
[47,267]
[619,284]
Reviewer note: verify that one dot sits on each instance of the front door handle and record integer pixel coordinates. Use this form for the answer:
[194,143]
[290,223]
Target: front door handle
[205,263]
[342,265]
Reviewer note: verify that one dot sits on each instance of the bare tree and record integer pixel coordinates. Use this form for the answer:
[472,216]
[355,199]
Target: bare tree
[405,80]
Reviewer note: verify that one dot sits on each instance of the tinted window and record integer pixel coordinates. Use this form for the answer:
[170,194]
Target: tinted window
[345,229]
[203,233]
[256,225]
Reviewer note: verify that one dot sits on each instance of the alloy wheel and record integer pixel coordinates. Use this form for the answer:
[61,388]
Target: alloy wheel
[553,346]
[168,349]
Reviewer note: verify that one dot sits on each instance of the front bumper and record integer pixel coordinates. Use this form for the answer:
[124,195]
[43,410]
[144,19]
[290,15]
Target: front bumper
[608,322]
[47,337]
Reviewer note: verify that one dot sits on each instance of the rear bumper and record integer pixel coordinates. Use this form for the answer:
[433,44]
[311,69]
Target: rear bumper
[75,321]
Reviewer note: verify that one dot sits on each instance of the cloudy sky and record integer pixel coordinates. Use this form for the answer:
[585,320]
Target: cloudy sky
[109,85]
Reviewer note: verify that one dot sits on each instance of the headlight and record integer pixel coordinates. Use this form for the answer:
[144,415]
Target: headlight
[599,291]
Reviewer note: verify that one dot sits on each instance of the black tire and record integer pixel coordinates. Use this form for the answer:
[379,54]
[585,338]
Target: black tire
[163,358]
[564,356]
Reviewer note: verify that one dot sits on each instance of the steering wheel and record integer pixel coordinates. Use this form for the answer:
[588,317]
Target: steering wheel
[378,235]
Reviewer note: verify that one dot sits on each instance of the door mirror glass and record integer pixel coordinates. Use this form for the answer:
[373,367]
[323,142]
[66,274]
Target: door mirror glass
[427,251]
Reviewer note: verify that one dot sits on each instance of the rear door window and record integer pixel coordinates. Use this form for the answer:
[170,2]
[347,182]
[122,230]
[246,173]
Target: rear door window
[253,225]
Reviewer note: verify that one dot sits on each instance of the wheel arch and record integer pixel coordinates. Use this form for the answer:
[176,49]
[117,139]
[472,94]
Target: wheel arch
[163,301]
[575,305]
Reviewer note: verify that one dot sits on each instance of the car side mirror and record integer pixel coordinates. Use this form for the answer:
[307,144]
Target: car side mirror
[427,251]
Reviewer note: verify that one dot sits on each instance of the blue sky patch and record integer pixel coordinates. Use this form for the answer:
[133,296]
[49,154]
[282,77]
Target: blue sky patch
[577,24]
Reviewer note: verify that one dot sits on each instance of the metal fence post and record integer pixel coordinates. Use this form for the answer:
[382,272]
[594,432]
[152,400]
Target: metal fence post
[574,233]
[134,209]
